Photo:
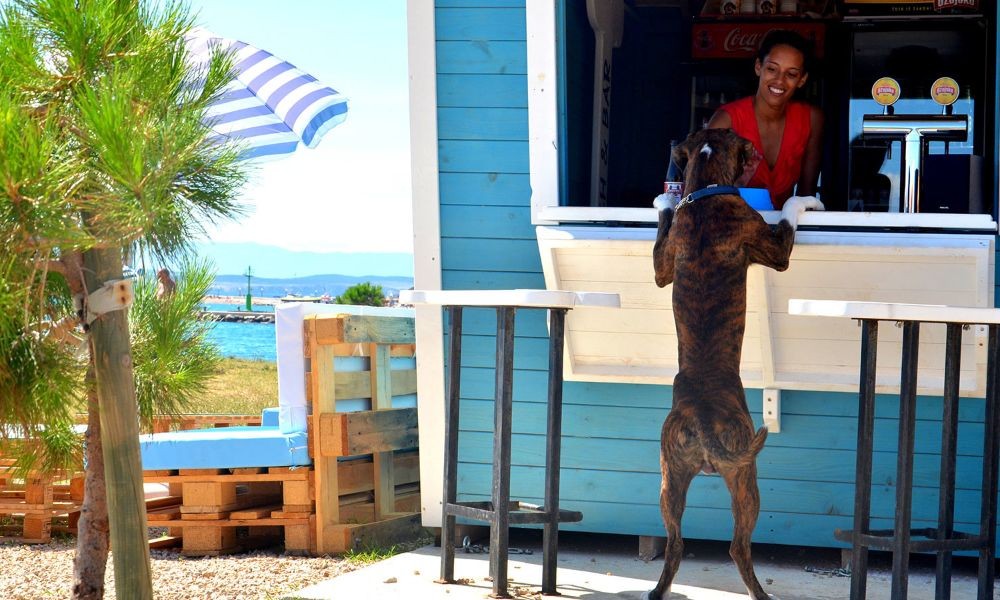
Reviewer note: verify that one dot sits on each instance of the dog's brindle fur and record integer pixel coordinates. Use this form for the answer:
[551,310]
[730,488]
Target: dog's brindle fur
[704,250]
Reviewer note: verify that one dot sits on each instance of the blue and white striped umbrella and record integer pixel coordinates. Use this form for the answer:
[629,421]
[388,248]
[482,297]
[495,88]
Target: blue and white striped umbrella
[270,107]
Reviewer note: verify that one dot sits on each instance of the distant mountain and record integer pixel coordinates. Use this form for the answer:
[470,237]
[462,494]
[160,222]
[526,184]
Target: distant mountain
[313,285]
[274,262]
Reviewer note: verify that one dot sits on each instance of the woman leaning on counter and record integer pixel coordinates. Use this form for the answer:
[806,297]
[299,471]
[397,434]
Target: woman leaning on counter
[785,132]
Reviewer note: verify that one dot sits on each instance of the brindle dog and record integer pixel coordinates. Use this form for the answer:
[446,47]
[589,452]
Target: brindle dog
[704,246]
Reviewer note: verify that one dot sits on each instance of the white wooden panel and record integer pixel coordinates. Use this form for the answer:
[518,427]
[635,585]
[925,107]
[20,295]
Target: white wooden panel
[639,321]
[638,343]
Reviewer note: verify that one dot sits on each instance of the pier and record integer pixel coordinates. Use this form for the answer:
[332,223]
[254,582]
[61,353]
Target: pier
[237,316]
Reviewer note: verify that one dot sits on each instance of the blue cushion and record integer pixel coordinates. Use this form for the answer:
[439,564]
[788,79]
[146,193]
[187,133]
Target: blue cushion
[269,417]
[224,447]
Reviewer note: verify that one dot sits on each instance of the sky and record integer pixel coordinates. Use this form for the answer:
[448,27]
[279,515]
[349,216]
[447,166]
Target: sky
[352,192]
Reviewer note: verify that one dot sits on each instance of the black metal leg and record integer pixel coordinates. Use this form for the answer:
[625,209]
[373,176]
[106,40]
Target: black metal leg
[553,441]
[988,512]
[500,527]
[949,442]
[863,469]
[904,460]
[452,395]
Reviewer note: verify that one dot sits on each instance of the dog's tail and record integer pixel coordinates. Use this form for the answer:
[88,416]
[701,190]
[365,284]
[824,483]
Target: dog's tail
[720,456]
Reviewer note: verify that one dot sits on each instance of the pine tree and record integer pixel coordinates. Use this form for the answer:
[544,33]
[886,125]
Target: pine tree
[103,148]
[366,293]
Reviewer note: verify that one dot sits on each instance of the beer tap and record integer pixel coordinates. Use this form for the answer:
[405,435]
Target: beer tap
[914,131]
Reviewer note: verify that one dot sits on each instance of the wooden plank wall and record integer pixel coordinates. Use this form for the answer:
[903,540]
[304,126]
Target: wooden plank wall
[611,431]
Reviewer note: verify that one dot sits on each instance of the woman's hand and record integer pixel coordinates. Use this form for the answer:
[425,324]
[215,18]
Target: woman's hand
[749,169]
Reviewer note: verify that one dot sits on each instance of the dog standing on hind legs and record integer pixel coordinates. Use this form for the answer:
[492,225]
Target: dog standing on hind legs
[704,246]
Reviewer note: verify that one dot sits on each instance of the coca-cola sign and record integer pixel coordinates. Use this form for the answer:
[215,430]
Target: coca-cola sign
[741,40]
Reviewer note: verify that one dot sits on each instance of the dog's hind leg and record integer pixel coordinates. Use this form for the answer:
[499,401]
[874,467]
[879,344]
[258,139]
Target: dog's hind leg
[677,478]
[742,484]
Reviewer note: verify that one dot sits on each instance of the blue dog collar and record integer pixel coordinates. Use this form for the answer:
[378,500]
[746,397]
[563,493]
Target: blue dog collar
[712,190]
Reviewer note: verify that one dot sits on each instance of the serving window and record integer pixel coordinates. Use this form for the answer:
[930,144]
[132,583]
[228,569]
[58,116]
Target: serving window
[661,92]
[674,67]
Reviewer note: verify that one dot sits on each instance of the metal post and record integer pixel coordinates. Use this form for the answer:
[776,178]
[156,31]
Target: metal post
[452,396]
[904,460]
[499,528]
[988,511]
[553,442]
[949,444]
[863,468]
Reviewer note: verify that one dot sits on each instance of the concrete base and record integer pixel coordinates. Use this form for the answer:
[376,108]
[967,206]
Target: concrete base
[596,567]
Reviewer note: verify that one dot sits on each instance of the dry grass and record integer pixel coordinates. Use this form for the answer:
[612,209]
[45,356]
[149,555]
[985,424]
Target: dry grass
[241,387]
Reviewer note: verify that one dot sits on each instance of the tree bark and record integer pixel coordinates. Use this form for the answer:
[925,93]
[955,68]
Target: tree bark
[119,418]
[91,558]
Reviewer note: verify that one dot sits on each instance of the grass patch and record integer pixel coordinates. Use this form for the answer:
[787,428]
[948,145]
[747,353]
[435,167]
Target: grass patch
[240,387]
[370,555]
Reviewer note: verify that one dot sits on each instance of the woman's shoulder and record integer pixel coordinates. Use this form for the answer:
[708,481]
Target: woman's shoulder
[740,113]
[741,105]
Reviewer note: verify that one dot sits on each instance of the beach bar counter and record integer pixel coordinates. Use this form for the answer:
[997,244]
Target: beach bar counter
[540,135]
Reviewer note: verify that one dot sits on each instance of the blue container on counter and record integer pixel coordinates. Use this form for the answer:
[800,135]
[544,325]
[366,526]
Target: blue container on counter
[757,198]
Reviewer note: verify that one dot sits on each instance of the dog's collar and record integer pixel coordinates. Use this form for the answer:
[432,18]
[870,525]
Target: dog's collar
[712,190]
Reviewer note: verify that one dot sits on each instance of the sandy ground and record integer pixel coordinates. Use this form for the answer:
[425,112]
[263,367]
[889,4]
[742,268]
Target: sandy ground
[31,572]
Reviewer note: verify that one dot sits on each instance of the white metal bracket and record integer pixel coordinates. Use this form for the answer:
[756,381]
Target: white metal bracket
[772,410]
[113,295]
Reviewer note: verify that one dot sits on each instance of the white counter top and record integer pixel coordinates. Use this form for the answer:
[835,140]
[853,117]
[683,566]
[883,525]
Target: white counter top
[584,214]
[889,311]
[514,298]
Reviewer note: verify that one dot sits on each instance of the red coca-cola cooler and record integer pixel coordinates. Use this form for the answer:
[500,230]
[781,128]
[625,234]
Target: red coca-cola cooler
[722,52]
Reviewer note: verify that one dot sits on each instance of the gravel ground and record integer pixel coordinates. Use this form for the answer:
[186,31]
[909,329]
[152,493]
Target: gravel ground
[33,572]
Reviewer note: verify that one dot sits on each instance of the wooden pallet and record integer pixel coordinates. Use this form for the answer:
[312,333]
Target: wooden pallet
[381,433]
[205,506]
[30,506]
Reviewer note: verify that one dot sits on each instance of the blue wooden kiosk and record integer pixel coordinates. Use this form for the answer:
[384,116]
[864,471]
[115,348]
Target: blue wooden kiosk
[499,129]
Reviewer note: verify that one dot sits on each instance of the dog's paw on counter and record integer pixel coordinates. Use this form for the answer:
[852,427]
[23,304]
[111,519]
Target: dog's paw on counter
[664,202]
[796,205]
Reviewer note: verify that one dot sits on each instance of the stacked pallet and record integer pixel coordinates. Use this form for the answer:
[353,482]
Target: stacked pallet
[382,436]
[32,505]
[362,488]
[221,511]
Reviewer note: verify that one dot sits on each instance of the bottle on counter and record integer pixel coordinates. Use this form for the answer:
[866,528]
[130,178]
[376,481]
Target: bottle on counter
[673,183]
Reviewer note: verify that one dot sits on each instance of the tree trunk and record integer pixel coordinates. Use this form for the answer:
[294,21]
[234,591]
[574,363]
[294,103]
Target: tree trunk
[92,530]
[111,350]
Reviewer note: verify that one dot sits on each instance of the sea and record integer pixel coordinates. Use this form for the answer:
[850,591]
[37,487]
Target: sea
[250,341]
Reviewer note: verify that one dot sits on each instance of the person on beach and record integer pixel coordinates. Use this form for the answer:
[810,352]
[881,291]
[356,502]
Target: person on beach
[166,285]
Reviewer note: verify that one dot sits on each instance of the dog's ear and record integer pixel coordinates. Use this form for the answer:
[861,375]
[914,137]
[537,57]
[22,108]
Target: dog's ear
[682,153]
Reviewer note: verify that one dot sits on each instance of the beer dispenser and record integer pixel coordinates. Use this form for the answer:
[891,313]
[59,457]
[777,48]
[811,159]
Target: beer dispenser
[915,131]
[921,150]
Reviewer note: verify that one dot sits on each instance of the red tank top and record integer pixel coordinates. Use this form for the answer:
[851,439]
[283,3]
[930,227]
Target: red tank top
[780,179]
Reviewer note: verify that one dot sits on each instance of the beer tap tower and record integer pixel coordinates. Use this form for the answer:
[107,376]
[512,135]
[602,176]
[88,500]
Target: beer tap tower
[914,131]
